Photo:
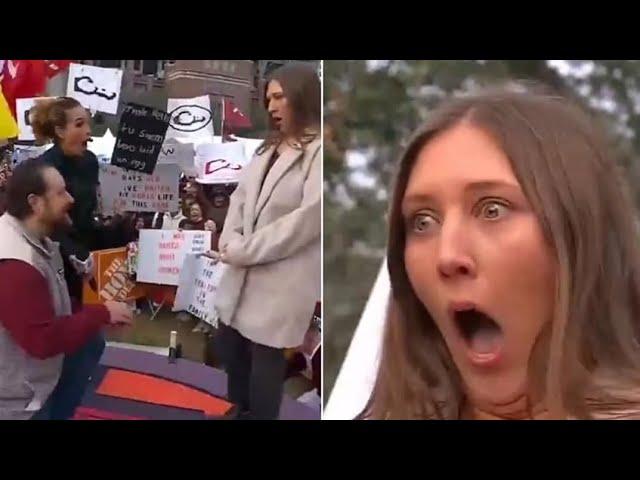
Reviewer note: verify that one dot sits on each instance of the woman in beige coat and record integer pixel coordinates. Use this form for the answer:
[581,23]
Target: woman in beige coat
[270,244]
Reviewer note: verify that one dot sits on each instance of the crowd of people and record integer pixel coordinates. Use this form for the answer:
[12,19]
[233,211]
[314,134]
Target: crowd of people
[265,229]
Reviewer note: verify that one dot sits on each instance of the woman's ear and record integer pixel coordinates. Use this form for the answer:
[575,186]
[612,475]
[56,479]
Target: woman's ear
[60,132]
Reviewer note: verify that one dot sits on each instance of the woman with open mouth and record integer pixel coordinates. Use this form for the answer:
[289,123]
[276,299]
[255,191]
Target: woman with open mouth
[270,243]
[66,123]
[514,261]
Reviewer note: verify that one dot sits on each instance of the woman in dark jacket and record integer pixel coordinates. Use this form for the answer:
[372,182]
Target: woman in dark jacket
[65,122]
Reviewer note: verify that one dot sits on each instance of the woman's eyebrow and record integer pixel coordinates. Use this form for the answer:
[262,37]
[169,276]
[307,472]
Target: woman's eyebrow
[417,198]
[473,187]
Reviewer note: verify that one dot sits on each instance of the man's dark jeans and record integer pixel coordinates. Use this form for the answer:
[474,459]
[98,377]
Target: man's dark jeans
[76,373]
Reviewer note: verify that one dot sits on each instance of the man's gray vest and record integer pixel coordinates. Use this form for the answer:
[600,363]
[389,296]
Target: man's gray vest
[26,382]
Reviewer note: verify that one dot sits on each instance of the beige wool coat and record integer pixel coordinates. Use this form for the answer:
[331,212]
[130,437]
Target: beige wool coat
[271,280]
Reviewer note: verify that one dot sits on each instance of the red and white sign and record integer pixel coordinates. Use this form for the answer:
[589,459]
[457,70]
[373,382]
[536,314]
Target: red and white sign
[220,162]
[130,191]
[162,253]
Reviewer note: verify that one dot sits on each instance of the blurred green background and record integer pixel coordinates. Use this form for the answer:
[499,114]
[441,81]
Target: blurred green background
[371,108]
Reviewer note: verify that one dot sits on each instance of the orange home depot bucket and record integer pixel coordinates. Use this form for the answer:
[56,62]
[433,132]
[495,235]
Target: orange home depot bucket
[112,279]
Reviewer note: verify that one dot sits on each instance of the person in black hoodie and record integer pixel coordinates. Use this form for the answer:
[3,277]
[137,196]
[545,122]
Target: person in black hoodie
[65,122]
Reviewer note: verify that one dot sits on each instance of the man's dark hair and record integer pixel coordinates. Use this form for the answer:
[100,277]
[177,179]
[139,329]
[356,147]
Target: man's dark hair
[27,178]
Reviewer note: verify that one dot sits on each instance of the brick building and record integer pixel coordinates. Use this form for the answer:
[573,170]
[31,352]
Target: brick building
[239,80]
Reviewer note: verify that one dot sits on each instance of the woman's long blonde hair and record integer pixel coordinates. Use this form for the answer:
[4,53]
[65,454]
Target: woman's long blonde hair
[587,361]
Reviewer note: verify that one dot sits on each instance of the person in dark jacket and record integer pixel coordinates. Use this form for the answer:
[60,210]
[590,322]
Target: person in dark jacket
[67,124]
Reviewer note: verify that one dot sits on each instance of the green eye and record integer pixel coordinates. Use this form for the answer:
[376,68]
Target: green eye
[493,210]
[422,222]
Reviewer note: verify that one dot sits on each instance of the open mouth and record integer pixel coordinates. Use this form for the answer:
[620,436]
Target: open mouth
[482,335]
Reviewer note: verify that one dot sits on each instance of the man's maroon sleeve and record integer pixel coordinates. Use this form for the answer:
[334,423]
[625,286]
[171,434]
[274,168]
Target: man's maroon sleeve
[26,312]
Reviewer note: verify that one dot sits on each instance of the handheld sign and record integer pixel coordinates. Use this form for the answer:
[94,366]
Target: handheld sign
[182,154]
[190,117]
[220,162]
[139,192]
[161,253]
[140,136]
[196,294]
[96,88]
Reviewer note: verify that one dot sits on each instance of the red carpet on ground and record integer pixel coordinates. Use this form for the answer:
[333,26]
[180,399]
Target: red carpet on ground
[84,413]
[147,388]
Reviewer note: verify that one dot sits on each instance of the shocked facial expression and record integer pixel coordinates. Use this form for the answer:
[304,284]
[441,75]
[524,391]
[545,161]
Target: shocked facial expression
[76,134]
[278,106]
[195,213]
[477,259]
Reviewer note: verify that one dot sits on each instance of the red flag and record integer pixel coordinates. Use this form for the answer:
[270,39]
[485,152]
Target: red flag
[234,118]
[23,79]
[54,67]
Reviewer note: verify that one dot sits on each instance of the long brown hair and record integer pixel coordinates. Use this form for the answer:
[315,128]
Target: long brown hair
[587,360]
[301,86]
[49,113]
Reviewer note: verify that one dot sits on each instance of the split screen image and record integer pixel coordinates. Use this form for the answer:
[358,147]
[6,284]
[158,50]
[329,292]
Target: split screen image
[320,239]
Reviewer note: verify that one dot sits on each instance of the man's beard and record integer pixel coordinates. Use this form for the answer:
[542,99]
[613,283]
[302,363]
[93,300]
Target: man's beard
[61,221]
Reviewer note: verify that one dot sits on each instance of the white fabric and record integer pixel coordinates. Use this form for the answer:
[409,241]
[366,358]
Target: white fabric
[357,375]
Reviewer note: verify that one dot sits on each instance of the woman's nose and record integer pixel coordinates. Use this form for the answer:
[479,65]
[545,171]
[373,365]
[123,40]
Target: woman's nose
[454,255]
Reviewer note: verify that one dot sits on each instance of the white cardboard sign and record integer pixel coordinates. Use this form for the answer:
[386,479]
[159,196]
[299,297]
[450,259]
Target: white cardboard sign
[161,253]
[131,191]
[199,280]
[220,162]
[96,88]
[182,154]
[190,117]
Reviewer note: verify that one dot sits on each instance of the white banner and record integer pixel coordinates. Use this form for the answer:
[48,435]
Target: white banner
[130,191]
[161,253]
[190,117]
[220,162]
[96,88]
[357,375]
[182,154]
[199,280]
